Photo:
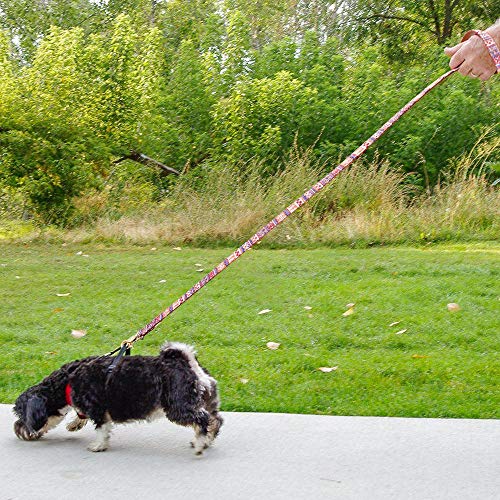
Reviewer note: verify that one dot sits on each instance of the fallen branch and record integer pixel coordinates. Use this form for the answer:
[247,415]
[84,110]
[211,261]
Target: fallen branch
[146,160]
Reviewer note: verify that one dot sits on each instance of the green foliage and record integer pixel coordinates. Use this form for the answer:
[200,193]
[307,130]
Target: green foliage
[198,83]
[121,75]
[406,22]
[444,125]
[8,88]
[48,171]
[261,118]
[196,20]
[78,104]
[184,108]
[29,21]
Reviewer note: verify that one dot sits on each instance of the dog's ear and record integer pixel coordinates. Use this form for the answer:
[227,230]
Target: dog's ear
[36,413]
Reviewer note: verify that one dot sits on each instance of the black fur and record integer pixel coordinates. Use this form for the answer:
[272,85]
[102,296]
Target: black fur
[139,386]
[44,400]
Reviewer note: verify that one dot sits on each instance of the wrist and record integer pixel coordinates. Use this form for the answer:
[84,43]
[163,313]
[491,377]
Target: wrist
[494,32]
[490,38]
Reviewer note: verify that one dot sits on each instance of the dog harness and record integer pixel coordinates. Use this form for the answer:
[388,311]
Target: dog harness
[69,401]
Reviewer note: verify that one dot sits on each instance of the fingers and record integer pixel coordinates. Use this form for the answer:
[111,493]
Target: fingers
[465,69]
[471,58]
[450,51]
[471,72]
[486,75]
[457,59]
[456,54]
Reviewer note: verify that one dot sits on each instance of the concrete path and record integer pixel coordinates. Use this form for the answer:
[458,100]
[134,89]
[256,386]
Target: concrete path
[260,456]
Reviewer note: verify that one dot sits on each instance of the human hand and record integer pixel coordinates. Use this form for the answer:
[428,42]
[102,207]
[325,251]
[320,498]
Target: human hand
[472,57]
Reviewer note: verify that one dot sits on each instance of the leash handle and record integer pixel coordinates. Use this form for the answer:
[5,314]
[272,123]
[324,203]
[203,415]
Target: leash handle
[286,213]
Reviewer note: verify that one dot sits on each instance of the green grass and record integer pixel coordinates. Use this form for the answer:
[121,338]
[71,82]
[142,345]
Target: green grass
[116,290]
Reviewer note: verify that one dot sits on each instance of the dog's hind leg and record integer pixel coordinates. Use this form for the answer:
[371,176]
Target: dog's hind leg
[199,420]
[212,404]
[103,424]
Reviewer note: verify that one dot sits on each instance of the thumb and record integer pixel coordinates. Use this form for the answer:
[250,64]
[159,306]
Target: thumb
[451,51]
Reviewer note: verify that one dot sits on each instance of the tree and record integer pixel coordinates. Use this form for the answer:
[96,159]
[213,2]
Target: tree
[8,86]
[199,21]
[435,18]
[261,119]
[27,22]
[80,104]
[184,108]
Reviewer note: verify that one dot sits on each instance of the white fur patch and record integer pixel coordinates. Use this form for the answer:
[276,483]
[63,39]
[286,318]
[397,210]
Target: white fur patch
[200,441]
[102,439]
[178,346]
[156,415]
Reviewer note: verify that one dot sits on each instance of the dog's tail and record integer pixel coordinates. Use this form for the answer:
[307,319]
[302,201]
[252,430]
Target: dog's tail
[186,349]
[188,353]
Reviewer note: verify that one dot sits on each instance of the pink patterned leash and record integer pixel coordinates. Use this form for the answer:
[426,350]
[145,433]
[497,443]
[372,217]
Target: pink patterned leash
[127,344]
[490,45]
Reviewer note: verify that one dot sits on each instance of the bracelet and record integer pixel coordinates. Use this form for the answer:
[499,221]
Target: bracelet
[490,45]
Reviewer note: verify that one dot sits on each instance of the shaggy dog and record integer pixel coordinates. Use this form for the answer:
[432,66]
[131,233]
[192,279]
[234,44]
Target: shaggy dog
[172,384]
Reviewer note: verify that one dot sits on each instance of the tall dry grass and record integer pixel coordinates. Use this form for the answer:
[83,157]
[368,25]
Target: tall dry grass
[366,204]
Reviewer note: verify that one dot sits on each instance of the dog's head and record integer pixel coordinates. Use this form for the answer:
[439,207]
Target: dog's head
[31,408]
[38,404]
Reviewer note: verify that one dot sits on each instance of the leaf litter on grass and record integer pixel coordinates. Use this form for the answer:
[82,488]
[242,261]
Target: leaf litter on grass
[328,369]
[78,334]
[273,345]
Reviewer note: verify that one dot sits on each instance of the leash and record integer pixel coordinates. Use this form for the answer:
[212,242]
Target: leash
[126,345]
[282,216]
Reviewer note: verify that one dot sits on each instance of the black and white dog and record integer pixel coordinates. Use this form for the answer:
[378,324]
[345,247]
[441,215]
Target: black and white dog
[172,384]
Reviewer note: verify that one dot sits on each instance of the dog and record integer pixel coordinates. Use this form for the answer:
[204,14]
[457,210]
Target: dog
[172,384]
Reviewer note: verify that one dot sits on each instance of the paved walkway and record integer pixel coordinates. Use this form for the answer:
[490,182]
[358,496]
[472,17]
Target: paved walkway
[260,456]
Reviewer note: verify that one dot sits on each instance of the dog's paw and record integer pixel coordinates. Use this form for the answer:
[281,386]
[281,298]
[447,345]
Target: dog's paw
[193,444]
[199,444]
[97,446]
[76,425]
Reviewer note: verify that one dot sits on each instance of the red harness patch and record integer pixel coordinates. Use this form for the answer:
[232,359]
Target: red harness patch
[69,401]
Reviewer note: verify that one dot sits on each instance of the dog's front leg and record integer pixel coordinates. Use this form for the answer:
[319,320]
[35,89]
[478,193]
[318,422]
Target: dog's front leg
[52,422]
[76,424]
[102,441]
[201,440]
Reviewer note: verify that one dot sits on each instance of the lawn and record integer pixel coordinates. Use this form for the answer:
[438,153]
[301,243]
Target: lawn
[401,352]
